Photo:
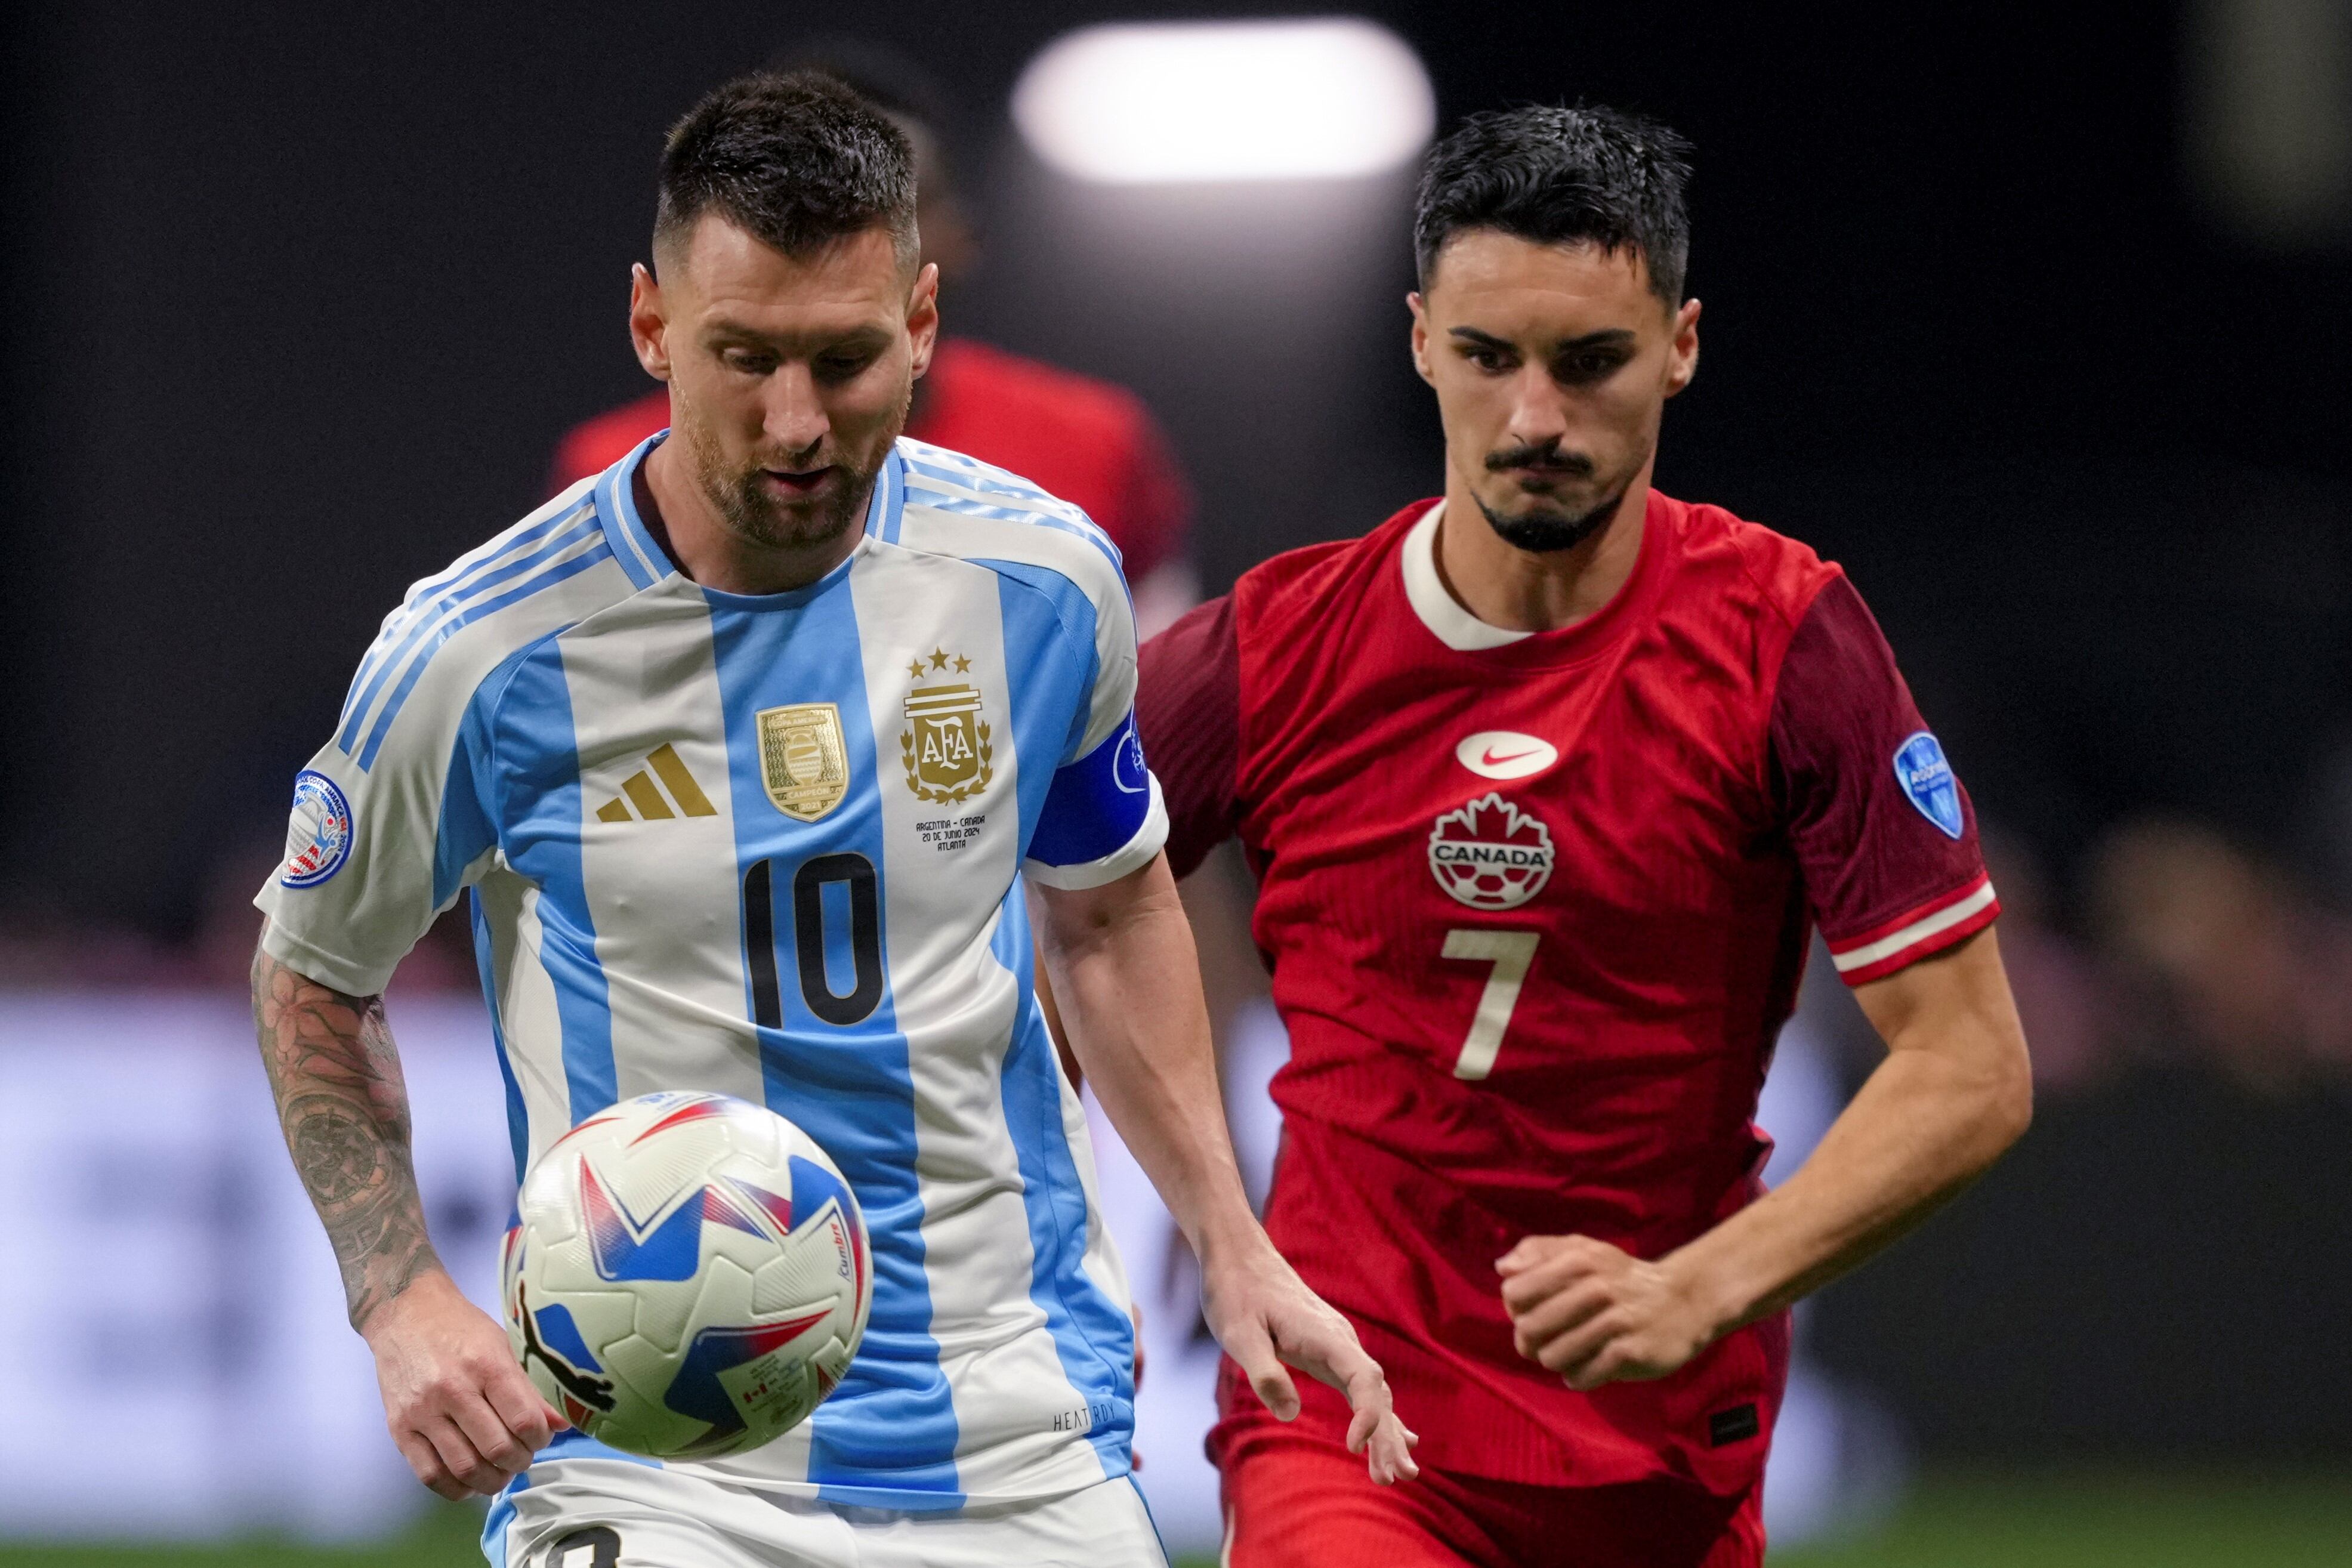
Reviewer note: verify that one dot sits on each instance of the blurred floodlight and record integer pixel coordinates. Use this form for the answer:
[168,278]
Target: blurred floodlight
[1154,102]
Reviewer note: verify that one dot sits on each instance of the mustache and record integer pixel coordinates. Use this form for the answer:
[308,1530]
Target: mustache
[1541,455]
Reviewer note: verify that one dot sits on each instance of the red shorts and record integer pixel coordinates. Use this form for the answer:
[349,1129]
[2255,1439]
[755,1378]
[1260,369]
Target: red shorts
[1296,1499]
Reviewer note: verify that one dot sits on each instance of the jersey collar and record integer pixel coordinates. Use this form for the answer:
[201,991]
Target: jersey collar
[645,561]
[1461,632]
[1456,627]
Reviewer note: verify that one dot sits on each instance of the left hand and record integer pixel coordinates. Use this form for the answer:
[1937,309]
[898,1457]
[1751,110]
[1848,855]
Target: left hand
[1596,1314]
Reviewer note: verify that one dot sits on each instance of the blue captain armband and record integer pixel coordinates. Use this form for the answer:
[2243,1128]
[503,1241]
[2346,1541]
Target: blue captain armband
[1103,817]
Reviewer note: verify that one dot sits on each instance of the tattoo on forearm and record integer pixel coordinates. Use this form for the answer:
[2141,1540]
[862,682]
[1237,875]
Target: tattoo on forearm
[344,1110]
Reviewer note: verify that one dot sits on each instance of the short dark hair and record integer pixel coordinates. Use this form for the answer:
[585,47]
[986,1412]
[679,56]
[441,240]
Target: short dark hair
[1561,176]
[797,161]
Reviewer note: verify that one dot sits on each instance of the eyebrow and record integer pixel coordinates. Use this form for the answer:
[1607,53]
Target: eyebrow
[1608,337]
[727,328]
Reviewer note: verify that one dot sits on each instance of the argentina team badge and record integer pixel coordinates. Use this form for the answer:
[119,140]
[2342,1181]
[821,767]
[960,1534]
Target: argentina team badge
[1926,778]
[317,833]
[949,752]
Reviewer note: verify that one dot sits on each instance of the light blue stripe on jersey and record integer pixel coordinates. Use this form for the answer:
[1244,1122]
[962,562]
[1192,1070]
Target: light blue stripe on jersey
[502,1516]
[889,1435]
[469,831]
[450,627]
[1037,618]
[885,512]
[424,601]
[924,488]
[538,747]
[436,621]
[1094,1340]
[645,562]
[518,1116]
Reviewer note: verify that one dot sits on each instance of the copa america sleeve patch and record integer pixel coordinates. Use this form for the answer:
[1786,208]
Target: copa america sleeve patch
[1926,778]
[318,833]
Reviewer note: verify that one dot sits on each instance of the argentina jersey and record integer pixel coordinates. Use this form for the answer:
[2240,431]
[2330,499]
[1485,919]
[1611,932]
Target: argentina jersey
[770,847]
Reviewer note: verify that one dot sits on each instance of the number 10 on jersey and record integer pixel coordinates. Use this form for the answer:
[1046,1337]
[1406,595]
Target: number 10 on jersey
[1511,952]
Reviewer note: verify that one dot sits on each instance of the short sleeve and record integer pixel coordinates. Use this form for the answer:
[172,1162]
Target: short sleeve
[381,839]
[1102,818]
[1884,834]
[1188,705]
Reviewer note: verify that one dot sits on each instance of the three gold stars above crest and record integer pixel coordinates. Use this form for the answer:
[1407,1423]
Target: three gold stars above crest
[939,661]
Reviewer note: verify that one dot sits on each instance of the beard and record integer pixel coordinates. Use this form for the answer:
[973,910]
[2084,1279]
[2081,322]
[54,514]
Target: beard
[750,512]
[1548,530]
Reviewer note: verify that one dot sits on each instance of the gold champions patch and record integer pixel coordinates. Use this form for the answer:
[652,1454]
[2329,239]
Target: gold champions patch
[802,761]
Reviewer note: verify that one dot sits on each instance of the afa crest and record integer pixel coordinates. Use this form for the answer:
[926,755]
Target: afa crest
[801,760]
[949,753]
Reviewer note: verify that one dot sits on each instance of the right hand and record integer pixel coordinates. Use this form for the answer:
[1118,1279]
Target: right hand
[461,1411]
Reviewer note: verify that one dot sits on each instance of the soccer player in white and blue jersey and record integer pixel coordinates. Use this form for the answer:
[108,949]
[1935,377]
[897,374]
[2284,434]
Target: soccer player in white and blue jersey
[744,749]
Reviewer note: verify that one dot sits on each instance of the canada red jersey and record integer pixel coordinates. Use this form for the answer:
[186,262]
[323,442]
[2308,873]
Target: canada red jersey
[1088,442]
[1535,907]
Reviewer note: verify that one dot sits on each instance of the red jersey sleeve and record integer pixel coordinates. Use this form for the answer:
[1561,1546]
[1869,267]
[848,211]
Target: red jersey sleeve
[1883,835]
[1188,709]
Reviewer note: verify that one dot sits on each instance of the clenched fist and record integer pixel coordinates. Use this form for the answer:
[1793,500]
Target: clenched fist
[1596,1314]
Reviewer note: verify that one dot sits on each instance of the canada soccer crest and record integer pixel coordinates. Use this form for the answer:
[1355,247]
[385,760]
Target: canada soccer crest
[948,749]
[1490,855]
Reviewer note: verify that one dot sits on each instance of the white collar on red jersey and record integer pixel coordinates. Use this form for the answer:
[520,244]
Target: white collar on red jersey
[1456,627]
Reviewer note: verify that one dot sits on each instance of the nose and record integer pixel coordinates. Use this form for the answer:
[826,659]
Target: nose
[1539,411]
[794,419]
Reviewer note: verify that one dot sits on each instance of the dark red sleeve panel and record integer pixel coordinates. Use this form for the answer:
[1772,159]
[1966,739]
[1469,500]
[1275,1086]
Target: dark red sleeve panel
[1187,707]
[1884,834]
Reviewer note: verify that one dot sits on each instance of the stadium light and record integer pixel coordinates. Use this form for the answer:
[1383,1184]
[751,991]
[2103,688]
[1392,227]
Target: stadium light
[1149,104]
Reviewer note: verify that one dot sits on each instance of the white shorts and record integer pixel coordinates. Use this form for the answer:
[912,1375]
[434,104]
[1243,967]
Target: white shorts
[604,1513]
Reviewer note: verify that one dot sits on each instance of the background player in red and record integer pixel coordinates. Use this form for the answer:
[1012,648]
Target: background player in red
[1547,783]
[1094,444]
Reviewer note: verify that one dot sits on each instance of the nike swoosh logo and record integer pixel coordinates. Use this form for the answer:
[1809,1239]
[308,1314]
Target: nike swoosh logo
[1494,759]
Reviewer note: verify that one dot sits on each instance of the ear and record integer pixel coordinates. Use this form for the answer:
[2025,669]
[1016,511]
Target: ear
[923,315]
[648,322]
[1682,355]
[1420,310]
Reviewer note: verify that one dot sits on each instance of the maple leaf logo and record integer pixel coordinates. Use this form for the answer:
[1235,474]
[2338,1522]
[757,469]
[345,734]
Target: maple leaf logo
[1490,855]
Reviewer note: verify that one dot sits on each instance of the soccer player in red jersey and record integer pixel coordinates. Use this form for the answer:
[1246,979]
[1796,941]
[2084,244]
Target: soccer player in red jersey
[1547,784]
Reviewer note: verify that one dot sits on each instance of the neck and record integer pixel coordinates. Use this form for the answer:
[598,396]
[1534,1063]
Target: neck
[1522,591]
[711,553]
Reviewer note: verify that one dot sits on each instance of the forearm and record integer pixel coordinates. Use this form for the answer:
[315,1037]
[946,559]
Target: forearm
[1126,980]
[344,1111]
[1954,1091]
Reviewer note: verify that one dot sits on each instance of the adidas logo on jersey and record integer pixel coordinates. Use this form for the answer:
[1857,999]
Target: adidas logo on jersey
[684,796]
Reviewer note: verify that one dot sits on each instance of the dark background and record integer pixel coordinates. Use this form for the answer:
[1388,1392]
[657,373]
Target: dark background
[299,303]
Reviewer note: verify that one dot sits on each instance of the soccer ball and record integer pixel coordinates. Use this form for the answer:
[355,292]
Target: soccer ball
[689,1277]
